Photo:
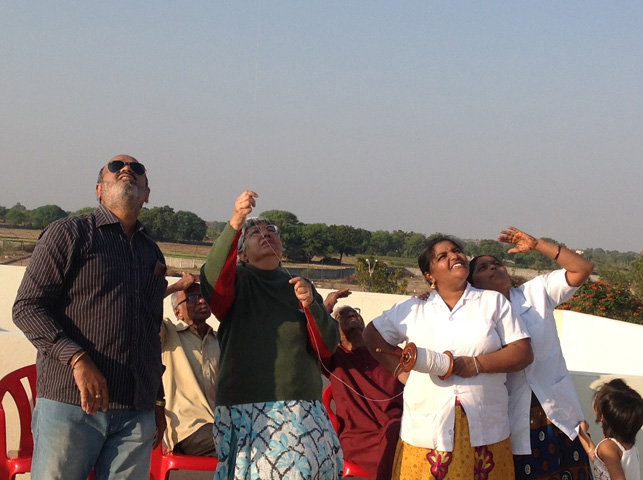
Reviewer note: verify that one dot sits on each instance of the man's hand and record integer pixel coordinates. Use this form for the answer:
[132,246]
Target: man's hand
[91,384]
[161,424]
[303,291]
[243,206]
[332,297]
[186,281]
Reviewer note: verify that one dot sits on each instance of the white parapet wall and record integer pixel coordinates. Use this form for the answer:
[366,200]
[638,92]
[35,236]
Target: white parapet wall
[596,349]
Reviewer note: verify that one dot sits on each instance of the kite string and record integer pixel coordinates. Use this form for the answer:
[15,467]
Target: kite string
[255,96]
[316,348]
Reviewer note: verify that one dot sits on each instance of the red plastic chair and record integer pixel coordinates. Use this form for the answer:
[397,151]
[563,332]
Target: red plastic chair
[350,469]
[15,462]
[19,461]
[161,463]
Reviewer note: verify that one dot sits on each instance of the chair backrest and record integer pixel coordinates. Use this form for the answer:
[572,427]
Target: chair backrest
[350,469]
[12,385]
[162,462]
[327,398]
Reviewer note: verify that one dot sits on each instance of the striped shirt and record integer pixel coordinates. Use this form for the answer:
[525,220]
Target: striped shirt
[88,287]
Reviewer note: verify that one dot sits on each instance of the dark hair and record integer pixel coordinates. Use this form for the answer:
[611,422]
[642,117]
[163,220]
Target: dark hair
[620,409]
[426,255]
[472,266]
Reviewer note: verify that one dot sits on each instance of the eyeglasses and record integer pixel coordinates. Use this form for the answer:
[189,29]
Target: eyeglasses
[261,231]
[349,312]
[191,299]
[116,165]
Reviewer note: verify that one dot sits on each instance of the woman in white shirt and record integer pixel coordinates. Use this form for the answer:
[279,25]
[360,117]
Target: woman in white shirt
[543,407]
[454,425]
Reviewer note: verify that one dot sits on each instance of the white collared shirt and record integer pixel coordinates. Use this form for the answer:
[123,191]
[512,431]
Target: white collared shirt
[547,376]
[482,321]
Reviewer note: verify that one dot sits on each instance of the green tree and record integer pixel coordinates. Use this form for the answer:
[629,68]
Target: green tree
[189,227]
[42,216]
[159,222]
[3,212]
[492,247]
[611,274]
[292,243]
[413,244]
[314,239]
[471,249]
[17,216]
[636,276]
[281,218]
[346,240]
[82,211]
[381,243]
[374,276]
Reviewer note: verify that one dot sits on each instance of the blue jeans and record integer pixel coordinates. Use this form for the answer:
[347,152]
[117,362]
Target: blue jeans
[68,443]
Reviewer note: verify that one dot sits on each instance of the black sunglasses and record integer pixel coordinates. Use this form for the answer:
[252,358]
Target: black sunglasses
[191,299]
[116,165]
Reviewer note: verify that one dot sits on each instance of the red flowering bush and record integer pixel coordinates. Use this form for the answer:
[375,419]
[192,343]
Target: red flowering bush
[606,300]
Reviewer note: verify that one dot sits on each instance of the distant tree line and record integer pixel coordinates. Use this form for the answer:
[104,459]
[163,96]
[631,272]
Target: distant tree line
[161,222]
[304,241]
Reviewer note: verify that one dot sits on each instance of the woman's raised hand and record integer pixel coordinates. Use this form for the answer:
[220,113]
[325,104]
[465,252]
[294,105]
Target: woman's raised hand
[243,206]
[523,241]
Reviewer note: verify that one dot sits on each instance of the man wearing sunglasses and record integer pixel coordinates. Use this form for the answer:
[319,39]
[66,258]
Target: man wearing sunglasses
[368,398]
[190,354]
[91,301]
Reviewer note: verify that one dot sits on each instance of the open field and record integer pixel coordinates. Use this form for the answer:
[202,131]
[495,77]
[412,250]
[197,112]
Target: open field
[416,284]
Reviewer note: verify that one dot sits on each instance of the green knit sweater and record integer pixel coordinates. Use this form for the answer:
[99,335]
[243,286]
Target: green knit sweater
[265,350]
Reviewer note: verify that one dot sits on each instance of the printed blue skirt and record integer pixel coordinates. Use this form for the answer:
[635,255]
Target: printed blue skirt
[276,440]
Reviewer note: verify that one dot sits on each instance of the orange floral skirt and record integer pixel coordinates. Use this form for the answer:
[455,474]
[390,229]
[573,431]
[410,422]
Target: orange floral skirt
[487,462]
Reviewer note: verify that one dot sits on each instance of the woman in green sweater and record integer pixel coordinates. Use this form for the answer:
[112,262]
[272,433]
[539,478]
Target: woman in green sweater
[269,421]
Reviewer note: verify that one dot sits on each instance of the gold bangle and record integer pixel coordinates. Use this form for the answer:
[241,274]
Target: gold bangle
[74,362]
[160,403]
[476,365]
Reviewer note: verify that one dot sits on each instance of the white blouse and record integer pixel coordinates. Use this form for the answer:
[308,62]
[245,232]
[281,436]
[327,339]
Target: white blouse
[482,321]
[547,376]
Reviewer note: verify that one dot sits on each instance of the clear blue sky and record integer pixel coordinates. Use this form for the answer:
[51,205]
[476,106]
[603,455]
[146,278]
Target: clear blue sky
[458,117]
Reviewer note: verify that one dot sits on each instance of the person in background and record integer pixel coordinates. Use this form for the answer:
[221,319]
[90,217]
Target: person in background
[455,422]
[543,406]
[269,419]
[190,353]
[619,409]
[331,299]
[91,302]
[368,398]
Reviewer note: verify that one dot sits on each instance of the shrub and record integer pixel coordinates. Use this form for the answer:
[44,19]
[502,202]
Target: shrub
[606,300]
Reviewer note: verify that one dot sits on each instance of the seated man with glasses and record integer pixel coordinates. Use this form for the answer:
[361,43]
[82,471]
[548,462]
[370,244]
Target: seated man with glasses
[190,353]
[368,398]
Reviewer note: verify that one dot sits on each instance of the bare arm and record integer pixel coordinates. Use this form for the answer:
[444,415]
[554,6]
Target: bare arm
[186,280]
[332,297]
[609,452]
[373,340]
[512,358]
[586,440]
[578,269]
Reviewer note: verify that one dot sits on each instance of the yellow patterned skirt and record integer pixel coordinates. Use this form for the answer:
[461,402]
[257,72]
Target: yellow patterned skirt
[487,462]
